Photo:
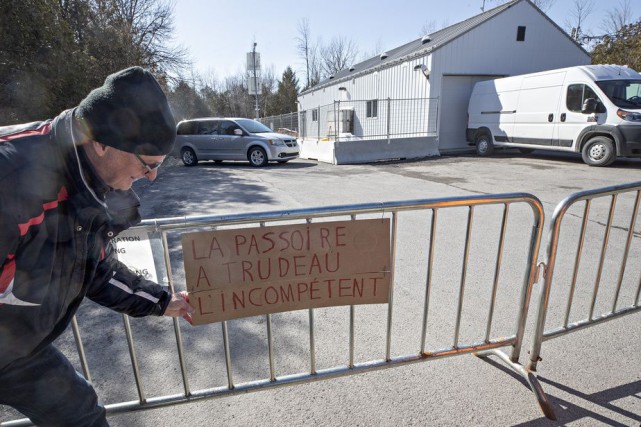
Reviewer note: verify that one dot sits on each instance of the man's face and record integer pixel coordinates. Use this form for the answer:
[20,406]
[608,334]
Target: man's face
[119,169]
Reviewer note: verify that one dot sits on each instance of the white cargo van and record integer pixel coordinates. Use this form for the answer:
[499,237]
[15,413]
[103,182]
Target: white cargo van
[594,110]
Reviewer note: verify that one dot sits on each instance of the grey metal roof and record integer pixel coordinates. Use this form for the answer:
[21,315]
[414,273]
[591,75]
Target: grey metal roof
[415,48]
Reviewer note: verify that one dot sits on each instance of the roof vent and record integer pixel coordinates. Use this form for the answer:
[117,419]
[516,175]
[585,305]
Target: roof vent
[426,39]
[351,68]
[384,55]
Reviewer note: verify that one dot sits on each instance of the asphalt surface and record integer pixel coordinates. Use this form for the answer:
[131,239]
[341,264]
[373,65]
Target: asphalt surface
[591,377]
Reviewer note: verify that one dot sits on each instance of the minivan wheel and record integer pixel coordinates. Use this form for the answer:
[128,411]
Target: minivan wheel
[599,151]
[484,145]
[257,157]
[189,157]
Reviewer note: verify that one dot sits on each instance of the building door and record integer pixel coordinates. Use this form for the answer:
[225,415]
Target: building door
[455,96]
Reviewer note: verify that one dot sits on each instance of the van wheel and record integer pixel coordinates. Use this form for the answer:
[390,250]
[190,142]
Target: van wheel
[257,157]
[484,145]
[599,151]
[188,157]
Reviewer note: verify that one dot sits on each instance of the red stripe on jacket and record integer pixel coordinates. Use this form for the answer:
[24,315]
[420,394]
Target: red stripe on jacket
[8,272]
[62,196]
[39,131]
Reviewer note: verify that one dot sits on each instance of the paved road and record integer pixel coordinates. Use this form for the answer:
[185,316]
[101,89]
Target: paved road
[592,377]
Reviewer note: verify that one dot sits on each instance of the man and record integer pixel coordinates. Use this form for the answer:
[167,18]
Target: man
[65,192]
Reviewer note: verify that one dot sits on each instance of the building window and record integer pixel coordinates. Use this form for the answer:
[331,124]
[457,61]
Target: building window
[315,115]
[520,34]
[372,108]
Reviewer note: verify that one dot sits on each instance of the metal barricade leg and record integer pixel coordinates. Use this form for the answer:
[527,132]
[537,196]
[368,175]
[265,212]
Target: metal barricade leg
[528,376]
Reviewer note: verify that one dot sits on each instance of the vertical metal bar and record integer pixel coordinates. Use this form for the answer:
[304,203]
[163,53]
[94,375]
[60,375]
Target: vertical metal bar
[81,349]
[389,118]
[438,101]
[312,340]
[338,120]
[312,343]
[497,271]
[134,360]
[579,251]
[428,279]
[335,122]
[530,277]
[230,379]
[270,339]
[270,345]
[177,333]
[466,256]
[627,250]
[318,114]
[606,237]
[388,347]
[352,315]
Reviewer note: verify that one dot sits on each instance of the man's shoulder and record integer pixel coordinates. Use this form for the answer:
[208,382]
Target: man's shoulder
[15,131]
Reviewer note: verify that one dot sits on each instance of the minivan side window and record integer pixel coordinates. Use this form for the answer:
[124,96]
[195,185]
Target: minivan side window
[576,96]
[187,128]
[227,127]
[208,128]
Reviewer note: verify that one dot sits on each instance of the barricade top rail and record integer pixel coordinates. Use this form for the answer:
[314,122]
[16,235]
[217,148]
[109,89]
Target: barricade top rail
[363,208]
[566,203]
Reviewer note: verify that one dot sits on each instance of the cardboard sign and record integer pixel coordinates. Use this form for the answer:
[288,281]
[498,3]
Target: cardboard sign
[247,272]
[133,248]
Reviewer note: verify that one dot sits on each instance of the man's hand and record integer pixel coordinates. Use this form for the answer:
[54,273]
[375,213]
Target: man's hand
[179,306]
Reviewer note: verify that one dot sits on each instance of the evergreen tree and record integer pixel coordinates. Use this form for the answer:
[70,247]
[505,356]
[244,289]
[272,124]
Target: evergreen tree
[287,93]
[624,48]
[186,103]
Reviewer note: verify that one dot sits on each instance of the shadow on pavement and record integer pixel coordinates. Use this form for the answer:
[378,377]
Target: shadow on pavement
[568,412]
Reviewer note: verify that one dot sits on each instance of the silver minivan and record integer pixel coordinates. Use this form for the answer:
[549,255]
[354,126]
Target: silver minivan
[221,139]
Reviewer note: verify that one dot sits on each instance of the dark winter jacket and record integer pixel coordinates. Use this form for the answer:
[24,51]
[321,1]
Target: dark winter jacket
[56,224]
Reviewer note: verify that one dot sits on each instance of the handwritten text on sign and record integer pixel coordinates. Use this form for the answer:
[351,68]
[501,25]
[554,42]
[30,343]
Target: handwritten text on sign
[252,271]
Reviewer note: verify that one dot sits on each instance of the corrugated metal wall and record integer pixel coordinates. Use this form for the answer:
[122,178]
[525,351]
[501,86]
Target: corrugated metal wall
[489,49]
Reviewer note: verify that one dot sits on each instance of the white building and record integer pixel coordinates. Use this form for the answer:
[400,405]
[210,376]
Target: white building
[434,75]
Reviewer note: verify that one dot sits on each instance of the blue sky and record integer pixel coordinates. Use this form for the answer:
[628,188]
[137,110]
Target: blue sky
[219,33]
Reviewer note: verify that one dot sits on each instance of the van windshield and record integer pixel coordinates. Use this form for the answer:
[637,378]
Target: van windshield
[623,93]
[252,126]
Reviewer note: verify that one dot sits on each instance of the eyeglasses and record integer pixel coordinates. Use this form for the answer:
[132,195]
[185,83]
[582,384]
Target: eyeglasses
[150,167]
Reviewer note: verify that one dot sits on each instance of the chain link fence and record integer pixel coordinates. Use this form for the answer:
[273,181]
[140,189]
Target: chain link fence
[361,119]
[284,123]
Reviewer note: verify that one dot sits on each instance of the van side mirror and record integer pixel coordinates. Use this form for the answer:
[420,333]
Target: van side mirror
[589,106]
[238,132]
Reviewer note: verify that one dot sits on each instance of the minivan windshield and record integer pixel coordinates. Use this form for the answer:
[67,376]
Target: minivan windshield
[252,126]
[623,93]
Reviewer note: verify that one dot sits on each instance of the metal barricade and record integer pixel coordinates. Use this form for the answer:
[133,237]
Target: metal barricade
[610,310]
[465,248]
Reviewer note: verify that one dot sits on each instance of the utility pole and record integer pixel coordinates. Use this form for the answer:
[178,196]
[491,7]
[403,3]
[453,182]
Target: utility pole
[255,78]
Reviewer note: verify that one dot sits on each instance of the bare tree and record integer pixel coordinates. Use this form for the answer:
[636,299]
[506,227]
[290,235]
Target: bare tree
[376,50]
[577,15]
[337,55]
[149,26]
[428,28]
[544,5]
[618,17]
[309,52]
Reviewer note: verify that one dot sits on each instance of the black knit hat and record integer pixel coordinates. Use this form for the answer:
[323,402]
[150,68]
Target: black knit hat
[130,112]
